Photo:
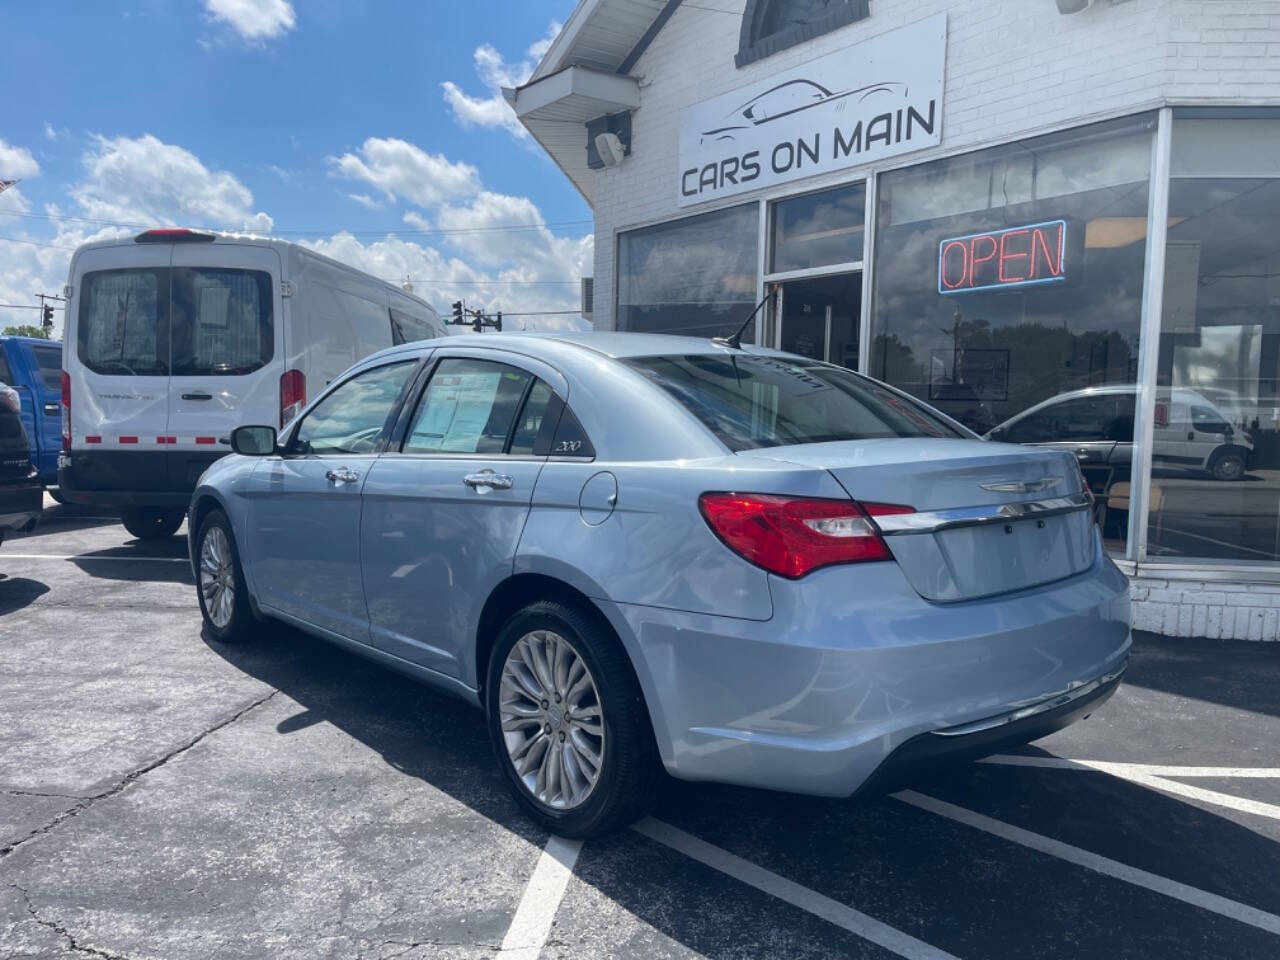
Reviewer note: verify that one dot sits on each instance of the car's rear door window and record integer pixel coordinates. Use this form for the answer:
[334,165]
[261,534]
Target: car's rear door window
[5,376]
[751,401]
[469,406]
[352,418]
[49,362]
[221,321]
[123,324]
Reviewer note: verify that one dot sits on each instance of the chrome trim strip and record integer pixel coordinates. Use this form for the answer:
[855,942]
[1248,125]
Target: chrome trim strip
[1073,691]
[935,520]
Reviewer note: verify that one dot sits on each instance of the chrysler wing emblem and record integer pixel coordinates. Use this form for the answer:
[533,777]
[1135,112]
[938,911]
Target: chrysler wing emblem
[1022,486]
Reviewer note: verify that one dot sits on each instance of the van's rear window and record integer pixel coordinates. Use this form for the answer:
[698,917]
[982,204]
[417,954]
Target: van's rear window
[751,401]
[209,321]
[123,322]
[220,321]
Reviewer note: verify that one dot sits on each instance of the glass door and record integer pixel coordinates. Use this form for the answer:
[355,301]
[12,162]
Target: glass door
[818,317]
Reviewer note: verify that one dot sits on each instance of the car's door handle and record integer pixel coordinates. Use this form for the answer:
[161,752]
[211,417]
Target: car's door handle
[52,409]
[197,396]
[342,475]
[487,478]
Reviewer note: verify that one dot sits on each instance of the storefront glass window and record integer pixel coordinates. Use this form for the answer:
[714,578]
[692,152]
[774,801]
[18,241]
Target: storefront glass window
[695,276]
[1008,281]
[818,229]
[1215,477]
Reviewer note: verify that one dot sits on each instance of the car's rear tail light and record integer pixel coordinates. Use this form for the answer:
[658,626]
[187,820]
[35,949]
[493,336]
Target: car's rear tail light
[793,536]
[66,411]
[293,394]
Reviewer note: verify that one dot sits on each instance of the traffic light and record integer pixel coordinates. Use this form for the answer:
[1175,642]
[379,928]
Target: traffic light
[498,325]
[47,317]
[457,312]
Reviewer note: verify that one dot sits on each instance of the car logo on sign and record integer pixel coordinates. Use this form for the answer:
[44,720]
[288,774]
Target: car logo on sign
[1022,486]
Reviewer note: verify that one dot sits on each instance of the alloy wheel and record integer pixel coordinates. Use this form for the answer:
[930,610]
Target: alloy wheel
[552,720]
[217,577]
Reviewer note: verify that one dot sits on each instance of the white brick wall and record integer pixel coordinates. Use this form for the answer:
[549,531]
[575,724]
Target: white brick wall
[1192,608]
[1014,67]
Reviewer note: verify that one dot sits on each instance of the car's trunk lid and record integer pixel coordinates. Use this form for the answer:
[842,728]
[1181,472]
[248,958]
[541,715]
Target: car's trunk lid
[990,518]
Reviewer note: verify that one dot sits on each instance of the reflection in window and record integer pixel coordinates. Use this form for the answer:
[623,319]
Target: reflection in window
[818,229]
[695,276]
[772,25]
[985,356]
[1215,484]
[350,419]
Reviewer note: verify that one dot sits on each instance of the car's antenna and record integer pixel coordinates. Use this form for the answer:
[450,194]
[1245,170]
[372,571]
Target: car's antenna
[735,341]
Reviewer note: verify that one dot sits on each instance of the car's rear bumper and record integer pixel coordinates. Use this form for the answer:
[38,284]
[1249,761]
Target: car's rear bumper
[143,478]
[855,664]
[20,504]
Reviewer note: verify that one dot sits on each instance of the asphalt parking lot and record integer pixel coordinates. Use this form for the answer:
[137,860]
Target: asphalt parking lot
[164,796]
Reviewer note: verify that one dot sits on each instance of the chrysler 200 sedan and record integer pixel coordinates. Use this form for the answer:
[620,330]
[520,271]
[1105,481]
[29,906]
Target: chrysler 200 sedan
[632,550]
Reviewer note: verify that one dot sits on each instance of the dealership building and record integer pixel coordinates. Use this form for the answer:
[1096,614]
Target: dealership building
[1058,221]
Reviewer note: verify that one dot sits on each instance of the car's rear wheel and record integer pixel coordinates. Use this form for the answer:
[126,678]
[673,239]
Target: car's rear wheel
[151,523]
[220,587]
[568,721]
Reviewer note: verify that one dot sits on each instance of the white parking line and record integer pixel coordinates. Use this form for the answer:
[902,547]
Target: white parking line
[1145,776]
[532,922]
[868,928]
[56,556]
[1244,913]
[1147,769]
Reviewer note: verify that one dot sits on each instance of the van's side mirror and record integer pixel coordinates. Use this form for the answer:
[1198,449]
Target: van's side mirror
[254,441]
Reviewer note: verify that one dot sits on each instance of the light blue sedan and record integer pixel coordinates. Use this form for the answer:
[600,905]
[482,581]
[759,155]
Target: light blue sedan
[638,552]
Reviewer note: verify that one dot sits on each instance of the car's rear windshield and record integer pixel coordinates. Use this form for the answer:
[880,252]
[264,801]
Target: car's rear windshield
[751,401]
[188,321]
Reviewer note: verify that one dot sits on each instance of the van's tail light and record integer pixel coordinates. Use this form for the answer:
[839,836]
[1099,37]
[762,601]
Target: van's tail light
[793,536]
[66,411]
[293,394]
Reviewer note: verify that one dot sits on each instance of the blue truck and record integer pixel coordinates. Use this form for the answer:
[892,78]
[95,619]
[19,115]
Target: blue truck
[33,367]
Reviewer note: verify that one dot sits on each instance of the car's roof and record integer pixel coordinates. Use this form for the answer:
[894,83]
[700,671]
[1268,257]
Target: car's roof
[613,344]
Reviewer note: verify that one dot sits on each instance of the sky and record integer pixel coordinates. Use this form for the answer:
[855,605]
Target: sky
[371,131]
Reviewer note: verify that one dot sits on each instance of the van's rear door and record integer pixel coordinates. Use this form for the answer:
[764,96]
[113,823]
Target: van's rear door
[117,354]
[228,344]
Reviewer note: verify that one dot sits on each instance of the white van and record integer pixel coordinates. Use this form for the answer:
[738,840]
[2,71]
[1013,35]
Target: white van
[176,336]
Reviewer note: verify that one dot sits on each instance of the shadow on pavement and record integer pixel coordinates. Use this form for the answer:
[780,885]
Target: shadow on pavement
[18,592]
[1244,674]
[154,562]
[65,518]
[950,885]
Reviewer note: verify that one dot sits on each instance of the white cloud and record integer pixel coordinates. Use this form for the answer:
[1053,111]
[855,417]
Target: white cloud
[16,163]
[417,220]
[144,180]
[253,20]
[453,277]
[368,202]
[492,111]
[402,169]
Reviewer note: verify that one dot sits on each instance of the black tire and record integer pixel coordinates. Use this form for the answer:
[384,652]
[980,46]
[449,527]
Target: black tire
[241,625]
[1228,466]
[151,523]
[628,775]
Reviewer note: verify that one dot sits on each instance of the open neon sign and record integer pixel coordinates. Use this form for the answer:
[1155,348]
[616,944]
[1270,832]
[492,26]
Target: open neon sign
[1006,259]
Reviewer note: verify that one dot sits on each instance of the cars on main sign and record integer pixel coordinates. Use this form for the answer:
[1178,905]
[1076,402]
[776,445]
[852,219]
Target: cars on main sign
[633,550]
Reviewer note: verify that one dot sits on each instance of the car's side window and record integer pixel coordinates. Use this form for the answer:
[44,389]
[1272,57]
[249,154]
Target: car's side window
[50,364]
[469,406]
[534,421]
[352,417]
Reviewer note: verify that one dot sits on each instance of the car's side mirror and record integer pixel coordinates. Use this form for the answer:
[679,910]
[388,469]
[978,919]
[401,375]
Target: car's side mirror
[254,441]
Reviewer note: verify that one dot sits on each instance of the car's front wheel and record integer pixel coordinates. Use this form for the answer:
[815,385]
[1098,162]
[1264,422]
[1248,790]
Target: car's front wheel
[224,601]
[1229,466]
[568,721]
[151,523]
